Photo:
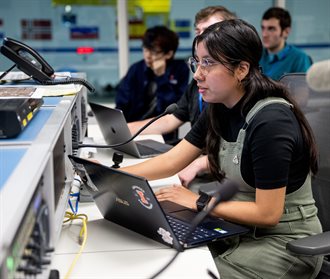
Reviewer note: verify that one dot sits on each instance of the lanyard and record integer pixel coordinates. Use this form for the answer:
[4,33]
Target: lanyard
[201,103]
[200,100]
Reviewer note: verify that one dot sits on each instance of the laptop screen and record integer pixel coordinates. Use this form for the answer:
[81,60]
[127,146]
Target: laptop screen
[126,200]
[129,201]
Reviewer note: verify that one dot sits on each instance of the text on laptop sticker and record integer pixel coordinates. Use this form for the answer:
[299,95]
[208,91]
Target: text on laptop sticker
[140,194]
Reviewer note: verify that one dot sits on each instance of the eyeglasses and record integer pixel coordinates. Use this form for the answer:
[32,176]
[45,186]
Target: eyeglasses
[153,52]
[204,65]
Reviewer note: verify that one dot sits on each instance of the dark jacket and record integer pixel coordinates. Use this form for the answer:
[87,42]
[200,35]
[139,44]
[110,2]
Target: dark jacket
[132,98]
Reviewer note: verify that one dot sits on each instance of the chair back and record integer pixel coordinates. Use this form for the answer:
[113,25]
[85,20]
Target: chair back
[316,107]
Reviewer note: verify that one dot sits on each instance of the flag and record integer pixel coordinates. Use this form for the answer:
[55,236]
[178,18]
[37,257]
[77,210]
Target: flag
[36,29]
[79,33]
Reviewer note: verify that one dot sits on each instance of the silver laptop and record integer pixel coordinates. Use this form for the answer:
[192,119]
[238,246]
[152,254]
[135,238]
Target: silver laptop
[129,201]
[114,129]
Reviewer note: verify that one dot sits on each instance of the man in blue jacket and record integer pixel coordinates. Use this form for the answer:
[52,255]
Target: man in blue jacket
[278,57]
[155,82]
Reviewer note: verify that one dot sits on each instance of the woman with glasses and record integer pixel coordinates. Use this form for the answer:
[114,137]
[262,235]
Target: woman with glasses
[254,134]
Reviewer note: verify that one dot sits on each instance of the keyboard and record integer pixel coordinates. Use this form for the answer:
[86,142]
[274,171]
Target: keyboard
[145,150]
[181,229]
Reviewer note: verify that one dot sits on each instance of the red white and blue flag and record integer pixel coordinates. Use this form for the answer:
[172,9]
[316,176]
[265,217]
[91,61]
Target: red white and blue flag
[36,29]
[80,33]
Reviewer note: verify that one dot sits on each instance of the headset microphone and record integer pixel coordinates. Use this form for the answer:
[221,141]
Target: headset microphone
[169,110]
[223,191]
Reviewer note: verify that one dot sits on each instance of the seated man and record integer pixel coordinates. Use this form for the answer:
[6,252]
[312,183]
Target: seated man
[278,57]
[155,82]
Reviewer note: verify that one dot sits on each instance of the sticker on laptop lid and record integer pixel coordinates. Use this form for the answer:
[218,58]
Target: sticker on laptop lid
[219,230]
[140,194]
[166,235]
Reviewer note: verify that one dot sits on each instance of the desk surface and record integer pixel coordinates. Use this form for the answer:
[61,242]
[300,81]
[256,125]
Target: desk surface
[112,251]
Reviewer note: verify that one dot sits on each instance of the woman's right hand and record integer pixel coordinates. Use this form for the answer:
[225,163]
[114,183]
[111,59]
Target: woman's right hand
[178,194]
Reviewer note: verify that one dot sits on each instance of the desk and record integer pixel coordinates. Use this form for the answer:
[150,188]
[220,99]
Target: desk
[112,251]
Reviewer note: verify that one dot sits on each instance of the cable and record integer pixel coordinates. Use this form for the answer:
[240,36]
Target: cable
[7,71]
[212,275]
[70,216]
[169,110]
[82,236]
[121,143]
[12,80]
[70,80]
[75,193]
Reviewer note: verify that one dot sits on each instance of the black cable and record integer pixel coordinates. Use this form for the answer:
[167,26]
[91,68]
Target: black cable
[7,71]
[212,275]
[69,81]
[121,143]
[170,109]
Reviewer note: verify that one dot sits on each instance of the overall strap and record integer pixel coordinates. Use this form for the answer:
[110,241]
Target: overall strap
[262,103]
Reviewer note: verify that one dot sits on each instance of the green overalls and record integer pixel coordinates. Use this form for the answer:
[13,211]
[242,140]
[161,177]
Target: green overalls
[262,253]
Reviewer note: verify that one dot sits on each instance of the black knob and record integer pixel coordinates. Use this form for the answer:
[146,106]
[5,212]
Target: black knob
[117,158]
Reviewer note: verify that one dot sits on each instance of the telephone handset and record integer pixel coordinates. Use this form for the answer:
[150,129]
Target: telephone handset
[31,63]
[27,60]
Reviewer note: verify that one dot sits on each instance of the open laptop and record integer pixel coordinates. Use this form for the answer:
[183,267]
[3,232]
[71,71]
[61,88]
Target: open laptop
[129,201]
[114,128]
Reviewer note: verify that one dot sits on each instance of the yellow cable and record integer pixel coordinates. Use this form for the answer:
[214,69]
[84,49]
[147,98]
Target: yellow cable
[82,236]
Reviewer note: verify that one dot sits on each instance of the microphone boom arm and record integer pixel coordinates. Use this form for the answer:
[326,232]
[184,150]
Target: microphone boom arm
[228,190]
[169,110]
[195,222]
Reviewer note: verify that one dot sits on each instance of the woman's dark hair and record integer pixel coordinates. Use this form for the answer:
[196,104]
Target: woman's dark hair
[230,42]
[160,38]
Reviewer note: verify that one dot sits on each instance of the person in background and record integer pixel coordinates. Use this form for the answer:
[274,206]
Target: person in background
[253,133]
[155,82]
[190,104]
[278,57]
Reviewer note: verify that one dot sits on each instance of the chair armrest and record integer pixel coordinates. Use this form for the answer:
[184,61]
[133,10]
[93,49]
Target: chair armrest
[314,245]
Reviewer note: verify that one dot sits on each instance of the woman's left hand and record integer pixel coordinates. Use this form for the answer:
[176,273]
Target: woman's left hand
[178,194]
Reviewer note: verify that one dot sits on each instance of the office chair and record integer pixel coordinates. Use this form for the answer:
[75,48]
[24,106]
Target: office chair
[316,107]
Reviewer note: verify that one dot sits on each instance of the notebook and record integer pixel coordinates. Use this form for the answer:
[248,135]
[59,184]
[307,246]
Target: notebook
[129,201]
[114,129]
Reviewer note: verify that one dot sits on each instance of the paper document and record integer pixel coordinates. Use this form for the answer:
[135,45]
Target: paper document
[20,92]
[21,80]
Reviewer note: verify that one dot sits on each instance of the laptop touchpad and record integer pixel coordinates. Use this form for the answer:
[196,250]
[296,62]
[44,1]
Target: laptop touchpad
[184,215]
[188,215]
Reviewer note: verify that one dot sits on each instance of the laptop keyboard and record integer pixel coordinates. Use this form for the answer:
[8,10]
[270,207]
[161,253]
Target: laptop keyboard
[145,150]
[181,229]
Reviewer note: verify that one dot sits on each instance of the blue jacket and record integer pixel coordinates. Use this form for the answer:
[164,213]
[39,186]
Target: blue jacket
[289,60]
[131,96]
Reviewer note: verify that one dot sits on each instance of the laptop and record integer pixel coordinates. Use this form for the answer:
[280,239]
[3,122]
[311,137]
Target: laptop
[114,129]
[129,201]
